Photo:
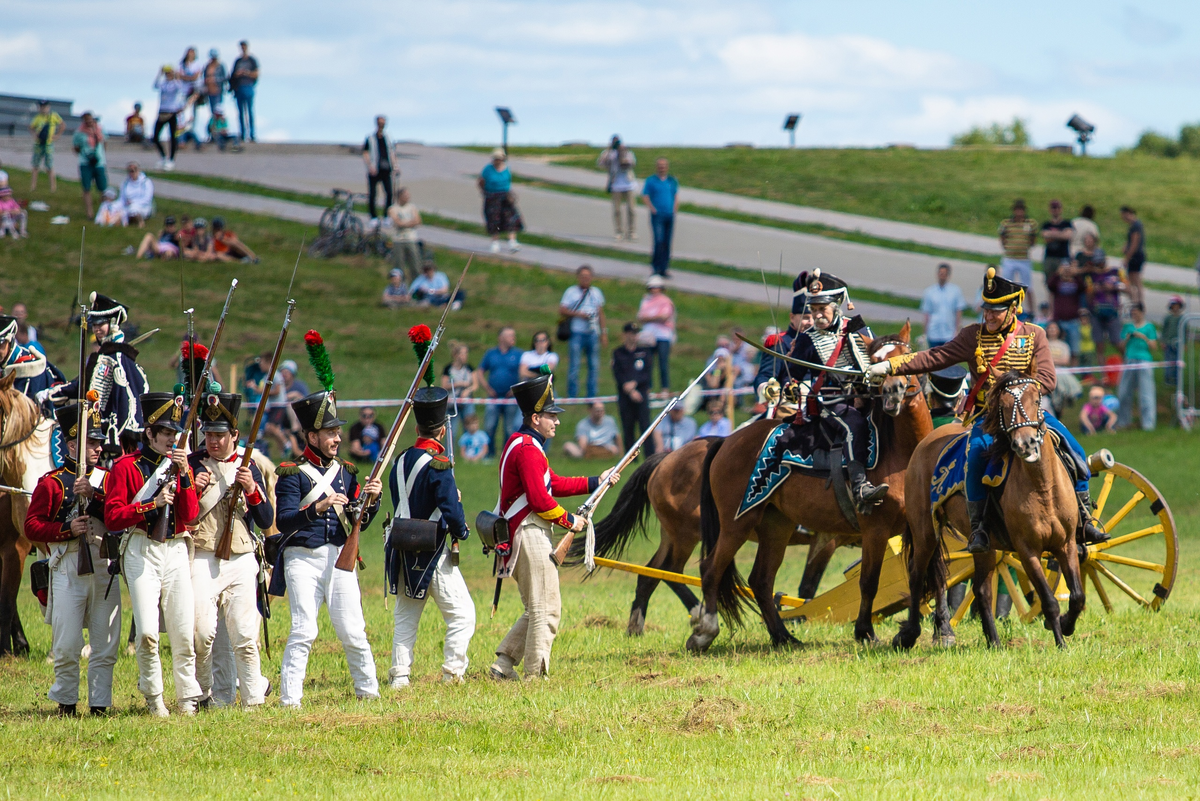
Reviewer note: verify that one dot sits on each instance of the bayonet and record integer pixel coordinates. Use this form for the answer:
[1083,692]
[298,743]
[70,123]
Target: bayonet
[800,362]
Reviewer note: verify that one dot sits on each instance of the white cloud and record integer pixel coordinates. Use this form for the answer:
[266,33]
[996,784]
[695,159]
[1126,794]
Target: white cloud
[1143,29]
[16,51]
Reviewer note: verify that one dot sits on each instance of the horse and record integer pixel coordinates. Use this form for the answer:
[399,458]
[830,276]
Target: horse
[1039,512]
[669,483]
[24,458]
[902,418]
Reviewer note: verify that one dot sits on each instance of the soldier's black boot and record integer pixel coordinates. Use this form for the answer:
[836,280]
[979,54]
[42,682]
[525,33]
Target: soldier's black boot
[979,542]
[865,493]
[1089,532]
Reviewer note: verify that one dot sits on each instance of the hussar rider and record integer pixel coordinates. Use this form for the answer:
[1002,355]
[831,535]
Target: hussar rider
[67,504]
[227,589]
[423,489]
[837,341]
[317,497]
[113,372]
[1002,343]
[34,374]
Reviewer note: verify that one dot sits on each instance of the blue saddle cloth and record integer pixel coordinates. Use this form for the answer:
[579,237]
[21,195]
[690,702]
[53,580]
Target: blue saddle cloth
[775,464]
[950,471]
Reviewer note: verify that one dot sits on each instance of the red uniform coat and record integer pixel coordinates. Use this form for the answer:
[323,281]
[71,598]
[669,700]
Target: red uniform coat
[127,477]
[527,484]
[46,520]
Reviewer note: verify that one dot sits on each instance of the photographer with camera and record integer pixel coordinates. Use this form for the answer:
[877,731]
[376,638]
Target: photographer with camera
[88,142]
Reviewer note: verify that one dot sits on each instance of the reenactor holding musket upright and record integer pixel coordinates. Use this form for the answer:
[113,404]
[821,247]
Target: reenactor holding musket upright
[67,505]
[144,487]
[428,506]
[317,496]
[528,488]
[227,588]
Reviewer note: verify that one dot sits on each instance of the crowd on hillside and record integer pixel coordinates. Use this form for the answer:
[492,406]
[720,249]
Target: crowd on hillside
[1093,302]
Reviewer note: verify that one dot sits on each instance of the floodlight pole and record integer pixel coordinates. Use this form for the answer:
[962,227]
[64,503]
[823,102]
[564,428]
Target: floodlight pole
[506,118]
[789,125]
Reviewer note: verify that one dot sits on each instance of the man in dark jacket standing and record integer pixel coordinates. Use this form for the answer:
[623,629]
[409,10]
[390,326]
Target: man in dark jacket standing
[631,364]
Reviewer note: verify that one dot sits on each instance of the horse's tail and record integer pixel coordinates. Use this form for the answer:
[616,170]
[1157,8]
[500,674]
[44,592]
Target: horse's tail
[627,518]
[936,572]
[729,600]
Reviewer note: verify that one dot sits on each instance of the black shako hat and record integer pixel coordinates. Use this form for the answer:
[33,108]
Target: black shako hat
[950,382]
[8,328]
[68,420]
[318,411]
[105,309]
[1000,293]
[536,396]
[164,409]
[429,407]
[817,287]
[219,411]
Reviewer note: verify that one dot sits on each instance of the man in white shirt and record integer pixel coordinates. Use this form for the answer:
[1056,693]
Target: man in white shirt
[1083,225]
[595,436]
[583,305]
[943,305]
[405,220]
[137,194]
[622,184]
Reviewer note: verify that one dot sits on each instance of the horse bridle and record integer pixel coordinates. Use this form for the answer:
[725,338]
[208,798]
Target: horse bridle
[1020,419]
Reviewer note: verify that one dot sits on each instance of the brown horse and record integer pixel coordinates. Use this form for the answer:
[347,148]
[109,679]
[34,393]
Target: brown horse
[1038,506]
[902,418]
[669,483]
[24,458]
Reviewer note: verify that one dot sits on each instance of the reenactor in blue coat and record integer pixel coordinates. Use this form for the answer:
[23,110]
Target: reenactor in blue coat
[423,489]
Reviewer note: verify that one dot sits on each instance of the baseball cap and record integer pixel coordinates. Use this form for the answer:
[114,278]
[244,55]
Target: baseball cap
[199,222]
[499,153]
[290,366]
[1175,300]
[631,328]
[394,272]
[655,281]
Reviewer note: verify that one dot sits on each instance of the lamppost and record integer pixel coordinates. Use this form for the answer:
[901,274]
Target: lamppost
[789,125]
[507,118]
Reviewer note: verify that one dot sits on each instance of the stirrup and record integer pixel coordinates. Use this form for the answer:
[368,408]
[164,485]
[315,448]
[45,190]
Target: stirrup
[1088,532]
[867,494]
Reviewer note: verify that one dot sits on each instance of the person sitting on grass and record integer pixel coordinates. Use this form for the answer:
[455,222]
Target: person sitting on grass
[365,436]
[432,288]
[111,212]
[395,294]
[473,445]
[201,246]
[218,130]
[137,195]
[163,246]
[596,436]
[227,246]
[13,218]
[1095,415]
[718,424]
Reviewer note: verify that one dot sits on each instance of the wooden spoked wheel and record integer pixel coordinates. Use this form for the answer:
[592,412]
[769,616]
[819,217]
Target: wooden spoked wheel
[1135,568]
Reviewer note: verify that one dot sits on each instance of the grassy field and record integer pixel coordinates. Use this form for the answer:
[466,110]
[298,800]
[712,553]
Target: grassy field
[620,718]
[964,190]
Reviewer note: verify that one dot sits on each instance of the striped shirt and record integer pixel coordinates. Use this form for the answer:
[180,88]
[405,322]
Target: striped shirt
[1018,237]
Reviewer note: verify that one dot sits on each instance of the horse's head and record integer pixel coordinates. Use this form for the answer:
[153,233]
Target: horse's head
[1015,414]
[895,388]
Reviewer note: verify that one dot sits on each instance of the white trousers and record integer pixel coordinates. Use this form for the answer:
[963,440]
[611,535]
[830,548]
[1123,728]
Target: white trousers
[449,591]
[313,580]
[79,603]
[224,668]
[227,589]
[159,575]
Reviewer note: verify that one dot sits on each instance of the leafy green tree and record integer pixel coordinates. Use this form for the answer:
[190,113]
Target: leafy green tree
[1015,134]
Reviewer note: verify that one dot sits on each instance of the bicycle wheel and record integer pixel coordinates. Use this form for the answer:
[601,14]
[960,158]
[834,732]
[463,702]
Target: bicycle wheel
[351,233]
[326,246]
[328,222]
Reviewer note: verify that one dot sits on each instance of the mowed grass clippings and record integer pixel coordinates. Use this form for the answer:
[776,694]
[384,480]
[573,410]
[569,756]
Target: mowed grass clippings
[960,189]
[620,717]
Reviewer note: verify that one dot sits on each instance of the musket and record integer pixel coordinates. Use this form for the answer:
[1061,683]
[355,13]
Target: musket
[588,507]
[348,557]
[454,552]
[159,532]
[84,563]
[15,490]
[800,362]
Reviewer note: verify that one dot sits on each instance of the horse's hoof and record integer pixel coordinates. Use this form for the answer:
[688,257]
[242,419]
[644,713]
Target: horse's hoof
[786,643]
[904,641]
[637,623]
[866,637]
[944,641]
[705,628]
[698,644]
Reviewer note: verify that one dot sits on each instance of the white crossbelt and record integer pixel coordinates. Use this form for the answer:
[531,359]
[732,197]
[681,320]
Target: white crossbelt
[402,507]
[323,487]
[153,482]
[224,474]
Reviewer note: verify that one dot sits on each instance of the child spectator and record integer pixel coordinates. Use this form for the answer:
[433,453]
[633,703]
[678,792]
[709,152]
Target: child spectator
[218,130]
[227,246]
[163,246]
[473,445]
[13,218]
[718,424]
[1140,339]
[112,211]
[201,246]
[395,294]
[1095,414]
[1170,337]
[135,126]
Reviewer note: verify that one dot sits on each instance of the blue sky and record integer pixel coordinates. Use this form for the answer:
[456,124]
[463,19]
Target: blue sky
[863,72]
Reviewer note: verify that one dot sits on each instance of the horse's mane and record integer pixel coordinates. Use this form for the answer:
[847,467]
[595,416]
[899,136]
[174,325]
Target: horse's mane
[885,424]
[19,416]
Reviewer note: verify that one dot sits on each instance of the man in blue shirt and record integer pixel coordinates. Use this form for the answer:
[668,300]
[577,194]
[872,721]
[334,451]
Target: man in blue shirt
[432,288]
[661,193]
[943,305]
[498,371]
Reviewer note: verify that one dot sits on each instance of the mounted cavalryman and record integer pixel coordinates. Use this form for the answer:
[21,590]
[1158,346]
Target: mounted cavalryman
[826,415]
[68,505]
[1000,344]
[946,389]
[317,498]
[34,374]
[428,507]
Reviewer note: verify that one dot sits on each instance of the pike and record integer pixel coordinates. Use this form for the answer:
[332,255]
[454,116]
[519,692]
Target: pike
[348,558]
[588,507]
[84,563]
[159,533]
[810,365]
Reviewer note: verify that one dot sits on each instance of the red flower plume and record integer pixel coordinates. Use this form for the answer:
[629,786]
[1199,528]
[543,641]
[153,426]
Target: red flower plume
[194,350]
[312,339]
[419,334]
[773,340]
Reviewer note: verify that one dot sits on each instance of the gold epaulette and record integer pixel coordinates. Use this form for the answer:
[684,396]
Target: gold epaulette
[287,469]
[439,461]
[351,467]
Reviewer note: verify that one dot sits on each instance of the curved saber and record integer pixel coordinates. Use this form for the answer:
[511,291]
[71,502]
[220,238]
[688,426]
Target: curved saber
[810,365]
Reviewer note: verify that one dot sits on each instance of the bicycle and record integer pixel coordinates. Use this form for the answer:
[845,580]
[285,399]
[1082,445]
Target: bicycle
[339,230]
